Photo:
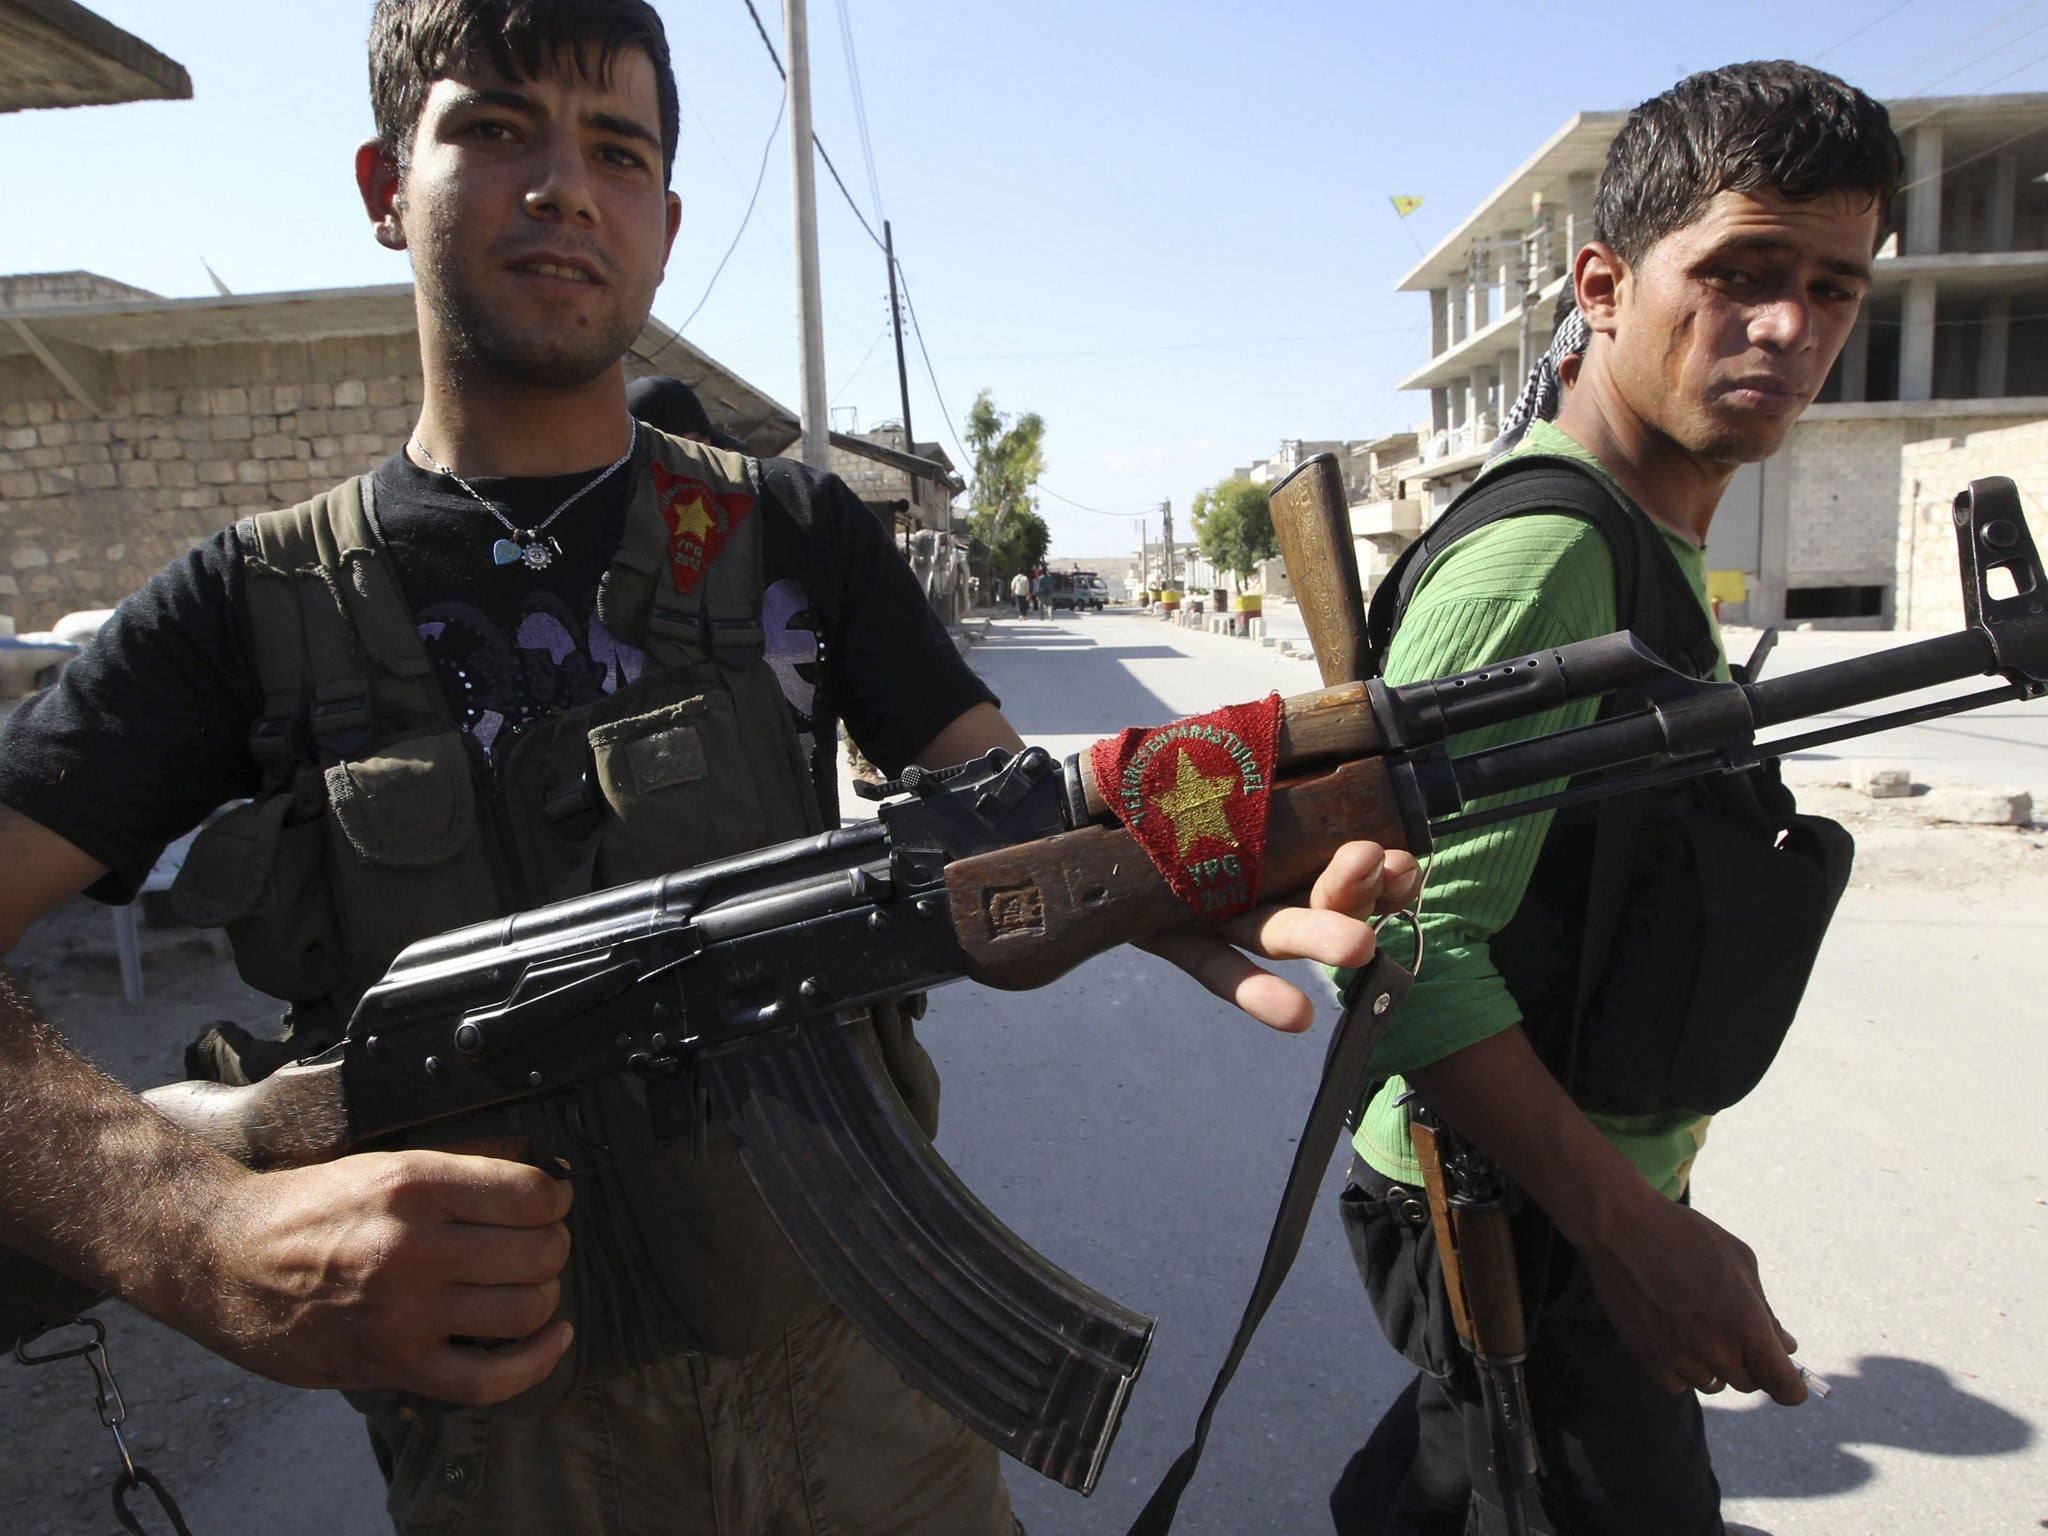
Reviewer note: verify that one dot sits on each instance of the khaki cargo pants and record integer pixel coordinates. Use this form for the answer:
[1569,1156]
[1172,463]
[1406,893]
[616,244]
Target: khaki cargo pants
[815,1436]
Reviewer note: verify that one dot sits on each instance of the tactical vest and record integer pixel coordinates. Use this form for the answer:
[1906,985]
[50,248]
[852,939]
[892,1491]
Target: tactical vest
[381,822]
[1666,935]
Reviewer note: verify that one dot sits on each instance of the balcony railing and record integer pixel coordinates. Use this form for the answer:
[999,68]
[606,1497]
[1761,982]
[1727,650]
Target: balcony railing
[1476,436]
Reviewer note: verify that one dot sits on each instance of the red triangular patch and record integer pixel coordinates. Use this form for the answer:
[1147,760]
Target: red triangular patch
[1195,794]
[700,520]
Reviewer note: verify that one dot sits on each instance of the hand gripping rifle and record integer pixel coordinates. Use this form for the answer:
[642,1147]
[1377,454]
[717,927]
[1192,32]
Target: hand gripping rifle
[1008,871]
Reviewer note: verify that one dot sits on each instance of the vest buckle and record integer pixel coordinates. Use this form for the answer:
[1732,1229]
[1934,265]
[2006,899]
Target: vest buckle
[341,721]
[737,642]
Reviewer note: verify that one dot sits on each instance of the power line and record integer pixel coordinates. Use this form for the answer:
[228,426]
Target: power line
[745,218]
[2037,58]
[848,380]
[860,107]
[840,182]
[816,142]
[711,139]
[1956,165]
[1979,59]
[1834,47]
[1040,485]
[1968,38]
[939,394]
[1195,346]
[773,338]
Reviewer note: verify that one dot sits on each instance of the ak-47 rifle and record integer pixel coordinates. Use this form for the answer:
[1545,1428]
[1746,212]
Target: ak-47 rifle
[1008,871]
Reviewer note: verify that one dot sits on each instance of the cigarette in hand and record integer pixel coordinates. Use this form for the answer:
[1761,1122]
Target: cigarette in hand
[1814,1379]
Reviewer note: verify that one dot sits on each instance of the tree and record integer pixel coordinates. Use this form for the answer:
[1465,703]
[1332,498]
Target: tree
[1021,546]
[1002,519]
[1234,525]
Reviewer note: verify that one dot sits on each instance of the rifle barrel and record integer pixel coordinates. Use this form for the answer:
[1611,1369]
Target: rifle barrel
[1862,679]
[1710,727]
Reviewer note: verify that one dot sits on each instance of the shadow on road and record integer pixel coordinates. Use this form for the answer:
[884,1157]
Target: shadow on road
[1765,1452]
[1059,683]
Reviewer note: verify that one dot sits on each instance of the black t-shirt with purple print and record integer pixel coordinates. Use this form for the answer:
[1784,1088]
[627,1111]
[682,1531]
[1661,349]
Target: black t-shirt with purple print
[147,731]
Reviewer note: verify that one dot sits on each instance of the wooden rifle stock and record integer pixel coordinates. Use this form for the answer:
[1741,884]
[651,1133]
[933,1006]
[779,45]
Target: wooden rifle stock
[291,1118]
[1476,1248]
[1313,523]
[1478,1254]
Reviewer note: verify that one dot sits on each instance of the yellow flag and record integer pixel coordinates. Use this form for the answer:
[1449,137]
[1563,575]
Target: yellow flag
[1405,205]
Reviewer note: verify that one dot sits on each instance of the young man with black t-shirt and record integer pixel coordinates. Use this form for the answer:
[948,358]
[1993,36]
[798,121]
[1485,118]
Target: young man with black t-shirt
[523,161]
[510,644]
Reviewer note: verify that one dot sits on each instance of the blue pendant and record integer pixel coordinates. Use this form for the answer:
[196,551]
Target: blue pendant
[505,552]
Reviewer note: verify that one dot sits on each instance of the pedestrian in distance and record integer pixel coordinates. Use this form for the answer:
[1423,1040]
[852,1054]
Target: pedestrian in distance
[1578,1020]
[510,663]
[1048,584]
[1020,589]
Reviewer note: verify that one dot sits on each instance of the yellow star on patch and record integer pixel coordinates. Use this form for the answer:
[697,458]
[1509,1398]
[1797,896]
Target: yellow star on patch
[693,517]
[1195,805]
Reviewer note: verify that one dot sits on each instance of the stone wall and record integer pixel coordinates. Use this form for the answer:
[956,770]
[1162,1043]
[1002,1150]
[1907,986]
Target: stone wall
[1843,503]
[191,439]
[1849,512]
[1931,472]
[928,501]
[46,290]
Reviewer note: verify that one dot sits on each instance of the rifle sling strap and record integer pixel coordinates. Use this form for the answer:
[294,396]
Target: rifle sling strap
[1375,992]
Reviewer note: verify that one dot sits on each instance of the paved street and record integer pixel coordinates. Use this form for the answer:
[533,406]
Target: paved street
[1139,1134]
[1889,1175]
[2004,746]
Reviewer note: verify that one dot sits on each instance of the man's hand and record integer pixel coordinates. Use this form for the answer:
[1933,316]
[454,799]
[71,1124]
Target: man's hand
[1687,1301]
[1682,1293]
[1360,880]
[364,1272]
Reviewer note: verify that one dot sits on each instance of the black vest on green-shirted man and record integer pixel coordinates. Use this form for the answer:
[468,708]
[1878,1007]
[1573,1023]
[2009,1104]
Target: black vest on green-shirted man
[1666,935]
[380,823]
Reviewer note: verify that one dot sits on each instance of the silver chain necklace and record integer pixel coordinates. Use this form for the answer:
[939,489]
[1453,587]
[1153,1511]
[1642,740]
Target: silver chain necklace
[529,546]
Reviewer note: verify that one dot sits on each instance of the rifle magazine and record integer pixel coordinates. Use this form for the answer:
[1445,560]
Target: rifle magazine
[1017,1349]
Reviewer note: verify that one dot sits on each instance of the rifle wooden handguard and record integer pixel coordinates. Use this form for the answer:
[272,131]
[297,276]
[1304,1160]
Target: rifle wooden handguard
[1027,915]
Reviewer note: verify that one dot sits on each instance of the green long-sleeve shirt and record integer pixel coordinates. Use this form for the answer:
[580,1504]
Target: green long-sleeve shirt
[1524,584]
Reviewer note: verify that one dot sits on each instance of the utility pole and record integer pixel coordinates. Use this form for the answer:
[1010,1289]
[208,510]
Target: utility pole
[803,199]
[1144,559]
[1166,536]
[896,319]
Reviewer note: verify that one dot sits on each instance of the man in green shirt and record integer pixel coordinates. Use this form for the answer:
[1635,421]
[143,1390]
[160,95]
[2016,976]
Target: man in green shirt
[1736,222]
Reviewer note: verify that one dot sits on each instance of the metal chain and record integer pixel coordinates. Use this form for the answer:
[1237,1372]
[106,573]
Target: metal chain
[113,1412]
[531,550]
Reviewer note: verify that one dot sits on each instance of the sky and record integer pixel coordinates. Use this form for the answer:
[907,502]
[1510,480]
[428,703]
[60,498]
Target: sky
[1165,228]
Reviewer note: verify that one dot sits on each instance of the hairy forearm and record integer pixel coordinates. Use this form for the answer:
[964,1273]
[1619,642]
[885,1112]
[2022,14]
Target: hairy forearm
[1500,1096]
[98,1185]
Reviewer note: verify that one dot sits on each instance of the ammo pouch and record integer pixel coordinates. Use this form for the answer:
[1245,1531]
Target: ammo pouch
[1666,939]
